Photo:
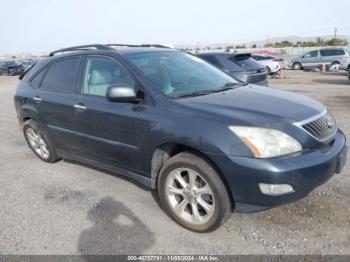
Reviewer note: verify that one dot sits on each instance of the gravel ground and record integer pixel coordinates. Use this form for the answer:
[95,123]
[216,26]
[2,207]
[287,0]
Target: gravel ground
[68,208]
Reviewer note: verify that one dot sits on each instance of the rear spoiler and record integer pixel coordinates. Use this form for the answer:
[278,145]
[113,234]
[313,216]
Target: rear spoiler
[241,56]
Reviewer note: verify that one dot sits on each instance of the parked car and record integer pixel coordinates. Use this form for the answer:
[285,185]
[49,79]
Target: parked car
[11,68]
[239,65]
[327,56]
[272,66]
[3,69]
[208,143]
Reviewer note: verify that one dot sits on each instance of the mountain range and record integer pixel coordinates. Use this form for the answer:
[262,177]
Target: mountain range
[261,43]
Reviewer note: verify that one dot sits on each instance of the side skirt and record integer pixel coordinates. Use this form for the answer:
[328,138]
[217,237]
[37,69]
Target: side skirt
[139,178]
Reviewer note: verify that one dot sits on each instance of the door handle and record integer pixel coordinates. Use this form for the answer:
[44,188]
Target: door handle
[79,107]
[37,99]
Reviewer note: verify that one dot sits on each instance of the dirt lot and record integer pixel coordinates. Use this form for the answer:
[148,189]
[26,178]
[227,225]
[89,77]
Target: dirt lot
[67,208]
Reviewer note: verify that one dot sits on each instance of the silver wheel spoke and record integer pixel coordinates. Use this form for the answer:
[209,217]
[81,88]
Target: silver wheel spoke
[192,179]
[175,191]
[180,179]
[44,150]
[195,213]
[180,208]
[204,190]
[207,207]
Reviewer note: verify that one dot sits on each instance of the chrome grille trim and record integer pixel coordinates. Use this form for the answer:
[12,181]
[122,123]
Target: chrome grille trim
[317,126]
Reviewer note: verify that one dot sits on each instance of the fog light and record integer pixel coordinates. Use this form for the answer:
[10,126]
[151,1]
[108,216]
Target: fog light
[275,189]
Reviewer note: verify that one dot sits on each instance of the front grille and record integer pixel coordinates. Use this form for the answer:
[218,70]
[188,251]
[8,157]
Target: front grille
[256,78]
[322,128]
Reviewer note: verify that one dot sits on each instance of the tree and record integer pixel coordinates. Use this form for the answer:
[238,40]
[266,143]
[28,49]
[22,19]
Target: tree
[337,42]
[240,46]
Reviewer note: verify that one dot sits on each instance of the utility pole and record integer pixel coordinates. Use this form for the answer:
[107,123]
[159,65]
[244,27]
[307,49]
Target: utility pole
[335,33]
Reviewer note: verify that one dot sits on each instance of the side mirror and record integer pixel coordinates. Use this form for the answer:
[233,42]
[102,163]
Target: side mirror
[121,94]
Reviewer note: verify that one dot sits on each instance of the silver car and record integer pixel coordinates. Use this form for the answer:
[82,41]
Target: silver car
[325,56]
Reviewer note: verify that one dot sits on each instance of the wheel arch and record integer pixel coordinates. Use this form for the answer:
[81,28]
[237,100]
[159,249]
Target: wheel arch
[28,112]
[166,150]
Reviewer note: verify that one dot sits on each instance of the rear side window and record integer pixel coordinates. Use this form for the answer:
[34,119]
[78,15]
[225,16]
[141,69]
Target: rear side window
[61,76]
[36,81]
[332,52]
[211,59]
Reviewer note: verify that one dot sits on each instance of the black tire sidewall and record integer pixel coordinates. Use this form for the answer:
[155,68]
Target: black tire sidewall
[32,124]
[221,198]
[268,71]
[298,65]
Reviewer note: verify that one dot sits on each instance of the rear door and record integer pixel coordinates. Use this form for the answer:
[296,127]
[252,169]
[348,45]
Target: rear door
[332,55]
[109,132]
[55,98]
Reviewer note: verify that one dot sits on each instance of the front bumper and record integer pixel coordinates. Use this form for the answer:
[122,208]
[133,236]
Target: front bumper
[261,83]
[304,172]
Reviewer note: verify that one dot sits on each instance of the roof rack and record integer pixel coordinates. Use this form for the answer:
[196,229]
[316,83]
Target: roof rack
[81,48]
[142,45]
[102,47]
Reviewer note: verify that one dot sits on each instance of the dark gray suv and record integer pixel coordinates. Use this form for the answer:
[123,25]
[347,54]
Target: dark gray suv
[206,142]
[241,66]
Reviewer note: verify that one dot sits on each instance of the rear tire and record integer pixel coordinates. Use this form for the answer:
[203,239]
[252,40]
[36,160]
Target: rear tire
[192,193]
[39,142]
[297,66]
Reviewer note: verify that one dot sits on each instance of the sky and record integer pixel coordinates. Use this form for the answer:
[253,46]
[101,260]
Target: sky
[37,26]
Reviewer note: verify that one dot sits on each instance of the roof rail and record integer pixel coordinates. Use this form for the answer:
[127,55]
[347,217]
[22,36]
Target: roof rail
[81,48]
[142,45]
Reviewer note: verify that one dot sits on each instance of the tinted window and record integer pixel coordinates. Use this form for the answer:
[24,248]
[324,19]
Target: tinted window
[64,74]
[311,54]
[246,61]
[332,52]
[211,59]
[100,73]
[46,83]
[36,81]
[258,58]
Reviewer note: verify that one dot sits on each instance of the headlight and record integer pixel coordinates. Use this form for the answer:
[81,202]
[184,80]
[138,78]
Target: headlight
[266,142]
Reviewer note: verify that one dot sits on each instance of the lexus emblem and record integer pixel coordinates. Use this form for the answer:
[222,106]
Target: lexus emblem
[330,122]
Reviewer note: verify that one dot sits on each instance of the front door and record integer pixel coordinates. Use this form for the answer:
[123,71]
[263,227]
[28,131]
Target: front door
[109,132]
[311,59]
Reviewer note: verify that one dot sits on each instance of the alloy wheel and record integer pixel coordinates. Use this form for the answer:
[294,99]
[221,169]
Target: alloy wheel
[37,143]
[190,196]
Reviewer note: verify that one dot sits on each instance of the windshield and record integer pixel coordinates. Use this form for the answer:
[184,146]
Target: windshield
[178,74]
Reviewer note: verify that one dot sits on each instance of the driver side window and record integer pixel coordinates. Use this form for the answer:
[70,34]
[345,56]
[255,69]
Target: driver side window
[102,72]
[311,54]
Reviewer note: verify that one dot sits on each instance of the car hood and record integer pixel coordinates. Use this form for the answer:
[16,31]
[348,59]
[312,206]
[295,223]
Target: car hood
[254,104]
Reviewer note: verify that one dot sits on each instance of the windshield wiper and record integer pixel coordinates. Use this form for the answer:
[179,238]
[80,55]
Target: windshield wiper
[225,87]
[195,93]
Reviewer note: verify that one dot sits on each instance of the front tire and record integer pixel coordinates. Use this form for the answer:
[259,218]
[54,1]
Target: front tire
[297,66]
[39,142]
[192,193]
